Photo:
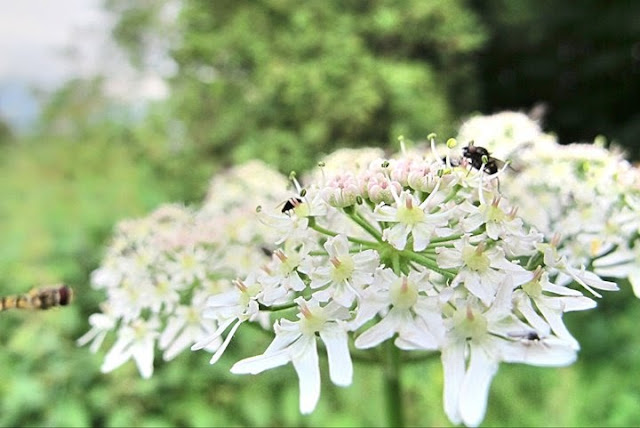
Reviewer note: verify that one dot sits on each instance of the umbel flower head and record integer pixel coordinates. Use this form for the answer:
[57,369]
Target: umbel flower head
[426,253]
[419,251]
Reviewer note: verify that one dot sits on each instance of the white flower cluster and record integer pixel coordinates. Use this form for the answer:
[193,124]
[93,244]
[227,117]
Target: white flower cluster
[159,271]
[588,194]
[422,252]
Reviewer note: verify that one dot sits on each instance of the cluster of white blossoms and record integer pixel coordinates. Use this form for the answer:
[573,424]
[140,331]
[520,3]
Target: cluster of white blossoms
[420,251]
[586,193]
[425,253]
[159,271]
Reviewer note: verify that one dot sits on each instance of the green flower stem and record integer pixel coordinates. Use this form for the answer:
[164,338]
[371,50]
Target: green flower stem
[315,226]
[395,260]
[427,262]
[353,215]
[452,194]
[434,241]
[393,385]
[276,308]
[318,253]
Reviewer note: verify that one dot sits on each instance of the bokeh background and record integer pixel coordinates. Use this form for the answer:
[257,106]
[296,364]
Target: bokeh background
[108,109]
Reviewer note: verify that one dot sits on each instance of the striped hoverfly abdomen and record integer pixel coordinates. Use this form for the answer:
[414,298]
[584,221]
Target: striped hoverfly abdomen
[39,298]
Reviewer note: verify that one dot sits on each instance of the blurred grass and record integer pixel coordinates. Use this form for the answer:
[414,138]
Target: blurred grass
[59,202]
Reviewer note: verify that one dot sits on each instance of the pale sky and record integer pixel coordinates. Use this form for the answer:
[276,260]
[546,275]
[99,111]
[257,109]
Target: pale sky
[34,34]
[45,42]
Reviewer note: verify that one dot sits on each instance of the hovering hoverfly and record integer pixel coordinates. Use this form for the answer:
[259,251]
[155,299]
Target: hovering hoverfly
[39,298]
[479,156]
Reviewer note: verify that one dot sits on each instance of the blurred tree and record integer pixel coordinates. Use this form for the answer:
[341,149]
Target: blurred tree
[81,112]
[284,80]
[6,134]
[583,62]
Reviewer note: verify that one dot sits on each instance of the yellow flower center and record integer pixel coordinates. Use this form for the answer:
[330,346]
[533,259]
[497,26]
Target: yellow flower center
[475,258]
[404,294]
[342,268]
[469,323]
[409,214]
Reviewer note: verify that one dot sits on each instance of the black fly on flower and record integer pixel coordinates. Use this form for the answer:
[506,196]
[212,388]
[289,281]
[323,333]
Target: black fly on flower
[290,204]
[481,159]
[530,336]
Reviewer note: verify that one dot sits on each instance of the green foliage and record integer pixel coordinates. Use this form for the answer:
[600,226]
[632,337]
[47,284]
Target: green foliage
[6,134]
[284,81]
[60,201]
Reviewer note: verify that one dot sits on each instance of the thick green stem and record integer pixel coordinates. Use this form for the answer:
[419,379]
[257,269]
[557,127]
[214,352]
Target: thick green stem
[393,385]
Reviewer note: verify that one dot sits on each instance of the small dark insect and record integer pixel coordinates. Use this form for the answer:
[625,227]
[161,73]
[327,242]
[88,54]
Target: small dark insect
[479,156]
[266,250]
[529,336]
[291,204]
[39,298]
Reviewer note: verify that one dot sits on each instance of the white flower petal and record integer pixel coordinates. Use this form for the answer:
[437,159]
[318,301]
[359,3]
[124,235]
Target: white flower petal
[385,213]
[453,365]
[554,318]
[493,230]
[377,333]
[526,308]
[228,298]
[143,356]
[595,281]
[578,303]
[305,361]
[472,222]
[479,288]
[173,327]
[396,236]
[204,342]
[421,236]
[448,258]
[634,279]
[547,352]
[180,343]
[216,356]
[119,353]
[475,386]
[414,334]
[340,365]
[287,332]
[620,256]
[617,271]
[260,363]
[97,342]
[560,289]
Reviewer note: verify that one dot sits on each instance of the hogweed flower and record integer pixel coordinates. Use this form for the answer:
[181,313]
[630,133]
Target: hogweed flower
[406,252]
[445,264]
